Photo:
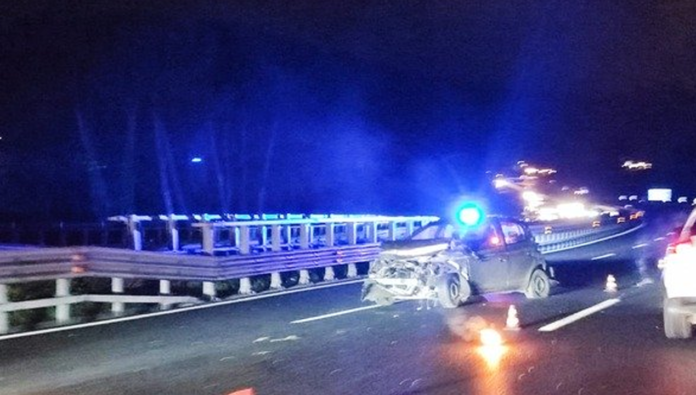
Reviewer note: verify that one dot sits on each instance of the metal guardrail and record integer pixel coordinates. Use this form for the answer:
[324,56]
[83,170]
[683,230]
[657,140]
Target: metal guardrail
[566,239]
[324,243]
[239,250]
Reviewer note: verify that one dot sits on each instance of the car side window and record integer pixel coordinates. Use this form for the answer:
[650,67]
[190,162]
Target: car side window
[512,233]
[484,238]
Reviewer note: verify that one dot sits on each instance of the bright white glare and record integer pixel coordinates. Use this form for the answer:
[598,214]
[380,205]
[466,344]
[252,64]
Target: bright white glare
[531,196]
[500,183]
[490,337]
[631,165]
[492,348]
[531,170]
[196,159]
[547,214]
[574,210]
[660,195]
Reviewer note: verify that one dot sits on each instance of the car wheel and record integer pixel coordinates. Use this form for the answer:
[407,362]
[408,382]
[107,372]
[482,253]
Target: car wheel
[377,294]
[677,325]
[451,292]
[539,285]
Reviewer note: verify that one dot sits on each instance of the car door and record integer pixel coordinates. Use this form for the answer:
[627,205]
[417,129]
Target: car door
[520,249]
[488,272]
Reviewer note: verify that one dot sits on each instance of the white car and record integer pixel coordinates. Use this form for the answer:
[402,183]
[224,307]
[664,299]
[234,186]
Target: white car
[679,278]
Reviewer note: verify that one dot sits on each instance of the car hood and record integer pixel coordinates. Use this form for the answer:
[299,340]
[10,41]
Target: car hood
[413,248]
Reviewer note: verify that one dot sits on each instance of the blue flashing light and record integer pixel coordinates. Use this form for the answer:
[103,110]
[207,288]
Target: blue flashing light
[196,159]
[470,214]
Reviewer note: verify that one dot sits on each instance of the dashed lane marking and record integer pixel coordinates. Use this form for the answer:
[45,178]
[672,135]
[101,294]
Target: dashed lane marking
[641,245]
[603,256]
[579,315]
[336,314]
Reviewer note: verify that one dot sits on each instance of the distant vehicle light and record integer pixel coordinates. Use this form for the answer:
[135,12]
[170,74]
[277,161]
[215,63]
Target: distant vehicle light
[623,197]
[196,159]
[470,214]
[682,199]
[501,183]
[660,195]
[633,198]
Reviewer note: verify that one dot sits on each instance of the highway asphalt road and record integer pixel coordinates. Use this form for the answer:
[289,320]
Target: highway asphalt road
[326,342]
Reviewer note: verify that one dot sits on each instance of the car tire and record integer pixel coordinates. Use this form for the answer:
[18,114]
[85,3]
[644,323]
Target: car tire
[539,285]
[377,294]
[451,291]
[677,325]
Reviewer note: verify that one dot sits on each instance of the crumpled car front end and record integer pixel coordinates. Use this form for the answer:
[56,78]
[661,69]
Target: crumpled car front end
[407,272]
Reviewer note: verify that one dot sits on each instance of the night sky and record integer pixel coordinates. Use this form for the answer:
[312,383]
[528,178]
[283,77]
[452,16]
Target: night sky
[385,107]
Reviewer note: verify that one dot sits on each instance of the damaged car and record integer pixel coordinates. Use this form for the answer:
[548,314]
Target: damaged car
[447,262]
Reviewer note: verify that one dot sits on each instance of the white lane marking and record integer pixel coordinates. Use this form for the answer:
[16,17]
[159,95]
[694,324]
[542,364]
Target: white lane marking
[603,256]
[177,311]
[659,239]
[336,314]
[641,245]
[579,315]
[595,241]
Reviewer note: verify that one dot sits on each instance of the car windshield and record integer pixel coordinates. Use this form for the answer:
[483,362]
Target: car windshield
[439,230]
[226,197]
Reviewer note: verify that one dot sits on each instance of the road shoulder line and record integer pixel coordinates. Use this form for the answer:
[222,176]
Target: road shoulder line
[336,314]
[579,315]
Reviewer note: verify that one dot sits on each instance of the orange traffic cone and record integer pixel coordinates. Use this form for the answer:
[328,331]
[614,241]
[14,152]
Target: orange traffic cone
[512,323]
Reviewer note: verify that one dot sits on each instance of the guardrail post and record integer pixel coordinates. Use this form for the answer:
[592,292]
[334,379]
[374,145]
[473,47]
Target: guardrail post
[393,228]
[174,233]
[371,232]
[209,289]
[304,235]
[276,281]
[410,226]
[117,287]
[4,316]
[245,286]
[352,232]
[244,242]
[330,234]
[165,288]
[352,270]
[264,236]
[63,309]
[329,273]
[276,237]
[208,238]
[235,236]
[304,277]
[136,234]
